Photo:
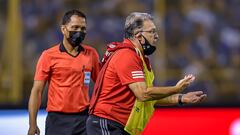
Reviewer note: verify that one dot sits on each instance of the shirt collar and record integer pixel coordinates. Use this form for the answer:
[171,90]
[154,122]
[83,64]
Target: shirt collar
[127,41]
[63,49]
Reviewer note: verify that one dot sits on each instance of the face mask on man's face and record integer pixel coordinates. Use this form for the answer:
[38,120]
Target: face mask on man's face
[76,37]
[148,49]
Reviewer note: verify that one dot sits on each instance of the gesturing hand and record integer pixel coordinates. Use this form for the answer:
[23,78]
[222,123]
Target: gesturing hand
[193,97]
[183,83]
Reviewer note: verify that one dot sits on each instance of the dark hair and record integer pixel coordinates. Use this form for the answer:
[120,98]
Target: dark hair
[67,16]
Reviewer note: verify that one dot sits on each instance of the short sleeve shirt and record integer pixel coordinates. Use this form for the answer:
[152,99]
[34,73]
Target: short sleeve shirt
[116,98]
[68,77]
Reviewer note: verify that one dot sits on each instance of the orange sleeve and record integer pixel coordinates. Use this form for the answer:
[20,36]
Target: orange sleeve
[96,65]
[43,67]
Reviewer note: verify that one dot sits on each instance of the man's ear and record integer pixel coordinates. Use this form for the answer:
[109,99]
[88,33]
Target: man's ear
[140,38]
[63,29]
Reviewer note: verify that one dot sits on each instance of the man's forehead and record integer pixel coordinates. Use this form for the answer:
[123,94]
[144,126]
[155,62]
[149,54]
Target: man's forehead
[77,20]
[149,24]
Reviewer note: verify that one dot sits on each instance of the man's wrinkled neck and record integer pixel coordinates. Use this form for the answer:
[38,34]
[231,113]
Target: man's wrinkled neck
[137,44]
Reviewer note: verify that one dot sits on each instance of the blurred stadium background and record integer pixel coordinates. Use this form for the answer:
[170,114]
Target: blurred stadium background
[201,37]
[196,36]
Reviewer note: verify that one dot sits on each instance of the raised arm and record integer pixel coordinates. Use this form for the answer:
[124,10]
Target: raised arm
[155,93]
[188,98]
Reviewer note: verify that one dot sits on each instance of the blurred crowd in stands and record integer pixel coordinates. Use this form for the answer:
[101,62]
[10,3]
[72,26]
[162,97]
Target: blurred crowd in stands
[201,37]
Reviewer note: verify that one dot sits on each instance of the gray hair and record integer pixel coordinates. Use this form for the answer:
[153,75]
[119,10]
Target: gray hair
[134,23]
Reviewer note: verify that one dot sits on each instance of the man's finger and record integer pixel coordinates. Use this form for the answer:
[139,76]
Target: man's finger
[197,93]
[192,79]
[189,78]
[203,97]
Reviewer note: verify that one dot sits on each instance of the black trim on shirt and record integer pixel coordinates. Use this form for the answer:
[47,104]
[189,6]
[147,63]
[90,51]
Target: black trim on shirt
[63,49]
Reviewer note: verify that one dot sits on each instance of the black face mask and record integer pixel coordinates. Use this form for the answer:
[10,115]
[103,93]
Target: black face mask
[148,49]
[76,37]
